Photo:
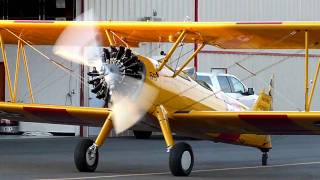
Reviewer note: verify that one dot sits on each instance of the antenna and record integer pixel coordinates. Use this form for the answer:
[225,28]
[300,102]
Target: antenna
[154,12]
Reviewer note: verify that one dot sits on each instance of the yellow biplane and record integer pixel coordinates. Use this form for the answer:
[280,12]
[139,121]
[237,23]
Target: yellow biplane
[140,90]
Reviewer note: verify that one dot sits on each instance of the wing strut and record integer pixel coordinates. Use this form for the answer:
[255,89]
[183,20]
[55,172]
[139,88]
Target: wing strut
[112,40]
[308,98]
[171,51]
[26,69]
[189,59]
[16,76]
[306,36]
[20,50]
[315,79]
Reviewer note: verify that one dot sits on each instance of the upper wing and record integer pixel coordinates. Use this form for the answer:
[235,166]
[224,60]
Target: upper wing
[248,122]
[53,114]
[231,35]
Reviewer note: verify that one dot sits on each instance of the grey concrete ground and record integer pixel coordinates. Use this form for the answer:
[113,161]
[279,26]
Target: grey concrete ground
[293,157]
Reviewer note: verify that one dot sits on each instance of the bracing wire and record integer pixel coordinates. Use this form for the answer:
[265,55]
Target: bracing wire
[246,78]
[181,49]
[252,74]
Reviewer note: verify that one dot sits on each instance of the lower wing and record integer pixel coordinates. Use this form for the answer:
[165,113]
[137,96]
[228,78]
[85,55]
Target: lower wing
[254,122]
[53,114]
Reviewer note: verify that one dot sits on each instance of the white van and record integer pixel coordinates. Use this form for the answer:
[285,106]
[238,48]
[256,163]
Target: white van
[230,85]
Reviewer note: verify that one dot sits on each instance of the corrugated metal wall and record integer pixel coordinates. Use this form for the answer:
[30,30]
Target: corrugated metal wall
[259,10]
[132,10]
[209,10]
[135,10]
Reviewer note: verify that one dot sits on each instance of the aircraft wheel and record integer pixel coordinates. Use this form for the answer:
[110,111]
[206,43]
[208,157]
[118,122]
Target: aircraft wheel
[142,134]
[86,156]
[181,159]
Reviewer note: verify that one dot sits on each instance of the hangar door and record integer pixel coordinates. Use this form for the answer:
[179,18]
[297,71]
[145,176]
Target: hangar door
[2,82]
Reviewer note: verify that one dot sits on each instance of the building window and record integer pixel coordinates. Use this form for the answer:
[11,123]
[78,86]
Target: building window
[38,9]
[59,9]
[17,9]
[217,71]
[2,9]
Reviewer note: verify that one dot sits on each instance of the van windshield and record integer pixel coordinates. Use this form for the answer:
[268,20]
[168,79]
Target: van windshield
[204,81]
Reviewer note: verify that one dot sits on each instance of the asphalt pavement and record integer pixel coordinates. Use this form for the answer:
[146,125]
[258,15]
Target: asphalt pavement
[292,157]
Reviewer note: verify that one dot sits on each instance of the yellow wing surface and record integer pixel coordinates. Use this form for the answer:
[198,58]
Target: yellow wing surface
[53,114]
[229,35]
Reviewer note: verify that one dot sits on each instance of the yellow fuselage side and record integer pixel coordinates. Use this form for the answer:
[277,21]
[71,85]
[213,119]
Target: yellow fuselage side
[182,93]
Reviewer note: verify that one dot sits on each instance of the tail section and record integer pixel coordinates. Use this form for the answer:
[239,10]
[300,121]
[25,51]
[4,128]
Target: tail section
[263,142]
[264,101]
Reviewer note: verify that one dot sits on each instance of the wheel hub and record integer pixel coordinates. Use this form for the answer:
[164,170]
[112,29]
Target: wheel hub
[91,155]
[186,160]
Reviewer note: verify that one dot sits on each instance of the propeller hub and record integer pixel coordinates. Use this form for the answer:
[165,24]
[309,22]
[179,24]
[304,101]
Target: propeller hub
[122,73]
[112,68]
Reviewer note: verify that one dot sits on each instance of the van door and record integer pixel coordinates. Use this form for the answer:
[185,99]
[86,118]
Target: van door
[237,92]
[224,84]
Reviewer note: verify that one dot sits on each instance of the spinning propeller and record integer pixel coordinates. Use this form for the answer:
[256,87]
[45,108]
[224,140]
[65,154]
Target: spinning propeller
[117,75]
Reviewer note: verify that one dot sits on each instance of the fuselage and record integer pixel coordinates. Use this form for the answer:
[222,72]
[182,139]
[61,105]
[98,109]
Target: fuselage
[183,93]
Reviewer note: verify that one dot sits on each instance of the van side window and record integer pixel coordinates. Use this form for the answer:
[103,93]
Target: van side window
[224,84]
[237,85]
[205,79]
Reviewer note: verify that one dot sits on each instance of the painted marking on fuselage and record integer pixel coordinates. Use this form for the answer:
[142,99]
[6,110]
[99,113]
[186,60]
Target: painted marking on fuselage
[154,76]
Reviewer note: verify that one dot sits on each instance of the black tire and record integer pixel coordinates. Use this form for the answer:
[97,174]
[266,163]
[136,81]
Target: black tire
[142,134]
[80,156]
[179,165]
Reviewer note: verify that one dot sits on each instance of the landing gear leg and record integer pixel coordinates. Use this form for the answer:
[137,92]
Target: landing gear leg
[264,159]
[181,156]
[86,155]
